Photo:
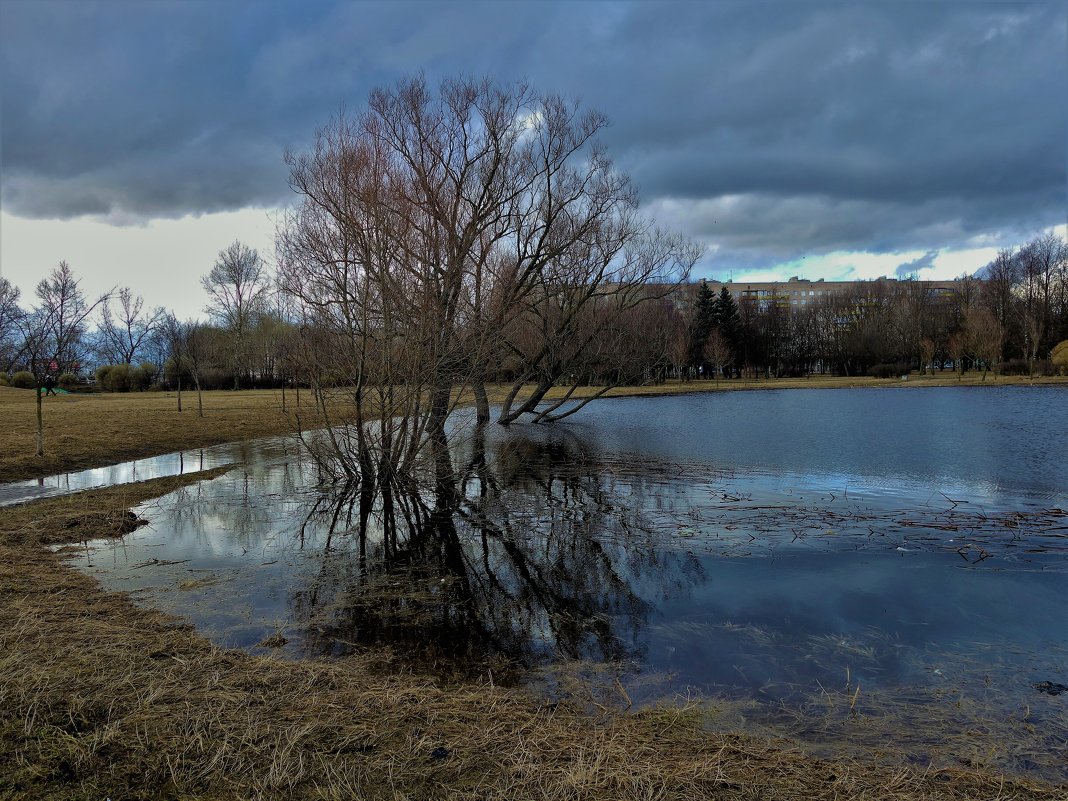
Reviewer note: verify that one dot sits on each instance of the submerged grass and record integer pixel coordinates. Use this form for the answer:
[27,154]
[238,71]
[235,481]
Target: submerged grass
[101,698]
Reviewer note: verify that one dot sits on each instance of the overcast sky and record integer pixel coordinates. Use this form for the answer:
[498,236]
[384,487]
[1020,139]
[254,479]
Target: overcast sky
[836,140]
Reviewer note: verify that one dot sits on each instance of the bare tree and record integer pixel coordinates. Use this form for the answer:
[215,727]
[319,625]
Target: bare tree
[957,347]
[678,350]
[576,299]
[927,352]
[717,352]
[442,233]
[911,312]
[1039,263]
[985,337]
[174,335]
[196,348]
[10,318]
[237,285]
[54,331]
[125,330]
[999,283]
[1060,295]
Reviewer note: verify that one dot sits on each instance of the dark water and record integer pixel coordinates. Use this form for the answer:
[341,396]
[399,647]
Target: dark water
[779,549]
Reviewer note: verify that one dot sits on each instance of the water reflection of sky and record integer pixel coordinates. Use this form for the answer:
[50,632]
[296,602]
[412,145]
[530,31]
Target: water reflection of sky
[1010,439]
[723,543]
[171,464]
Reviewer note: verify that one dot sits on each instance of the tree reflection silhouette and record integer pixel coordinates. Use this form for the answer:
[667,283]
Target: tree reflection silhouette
[529,550]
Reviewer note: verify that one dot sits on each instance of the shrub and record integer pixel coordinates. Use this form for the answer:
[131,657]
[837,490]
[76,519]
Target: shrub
[1059,357]
[124,377]
[216,378]
[888,370]
[23,379]
[3,381]
[68,380]
[171,373]
[149,372]
[118,378]
[135,379]
[1022,367]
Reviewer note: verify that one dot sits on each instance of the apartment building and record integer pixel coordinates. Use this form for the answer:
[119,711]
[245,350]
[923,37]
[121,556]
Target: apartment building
[800,292]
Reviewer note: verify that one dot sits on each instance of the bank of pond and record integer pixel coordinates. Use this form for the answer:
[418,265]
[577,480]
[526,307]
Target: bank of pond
[847,568]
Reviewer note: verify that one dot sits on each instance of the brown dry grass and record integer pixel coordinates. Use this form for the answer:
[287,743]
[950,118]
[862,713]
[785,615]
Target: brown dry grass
[101,698]
[91,430]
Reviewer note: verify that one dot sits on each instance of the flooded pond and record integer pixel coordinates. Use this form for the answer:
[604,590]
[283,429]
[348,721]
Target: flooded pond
[868,566]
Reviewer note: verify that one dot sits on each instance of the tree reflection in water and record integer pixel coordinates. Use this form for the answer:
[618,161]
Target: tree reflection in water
[532,550]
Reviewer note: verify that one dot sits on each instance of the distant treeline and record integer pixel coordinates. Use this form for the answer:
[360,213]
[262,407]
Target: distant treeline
[1010,318]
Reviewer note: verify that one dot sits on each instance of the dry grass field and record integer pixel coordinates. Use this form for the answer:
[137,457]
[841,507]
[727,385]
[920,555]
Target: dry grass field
[90,430]
[104,699]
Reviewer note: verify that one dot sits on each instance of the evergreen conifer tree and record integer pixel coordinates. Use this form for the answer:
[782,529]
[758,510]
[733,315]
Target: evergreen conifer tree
[728,320]
[701,323]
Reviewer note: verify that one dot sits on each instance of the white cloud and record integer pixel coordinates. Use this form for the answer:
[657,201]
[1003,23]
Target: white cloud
[952,263]
[854,265]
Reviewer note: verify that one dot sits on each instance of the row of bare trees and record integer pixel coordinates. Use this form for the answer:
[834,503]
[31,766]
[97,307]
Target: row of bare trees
[53,338]
[49,337]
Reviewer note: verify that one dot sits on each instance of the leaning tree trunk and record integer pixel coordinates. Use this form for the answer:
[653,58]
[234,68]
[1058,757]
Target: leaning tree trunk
[509,415]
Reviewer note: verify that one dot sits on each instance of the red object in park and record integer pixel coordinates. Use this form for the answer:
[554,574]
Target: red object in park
[53,366]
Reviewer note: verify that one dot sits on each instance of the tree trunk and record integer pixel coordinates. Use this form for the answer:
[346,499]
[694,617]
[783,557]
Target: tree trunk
[482,410]
[179,394]
[40,422]
[440,395]
[508,415]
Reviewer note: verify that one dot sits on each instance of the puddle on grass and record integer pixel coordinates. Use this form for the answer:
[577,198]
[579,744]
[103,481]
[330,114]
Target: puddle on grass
[170,464]
[910,599]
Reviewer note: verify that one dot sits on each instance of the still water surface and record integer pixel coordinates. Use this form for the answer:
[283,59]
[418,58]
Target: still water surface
[779,549]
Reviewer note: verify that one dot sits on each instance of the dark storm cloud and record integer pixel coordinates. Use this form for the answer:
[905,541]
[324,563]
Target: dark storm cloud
[913,267]
[808,128]
[768,129]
